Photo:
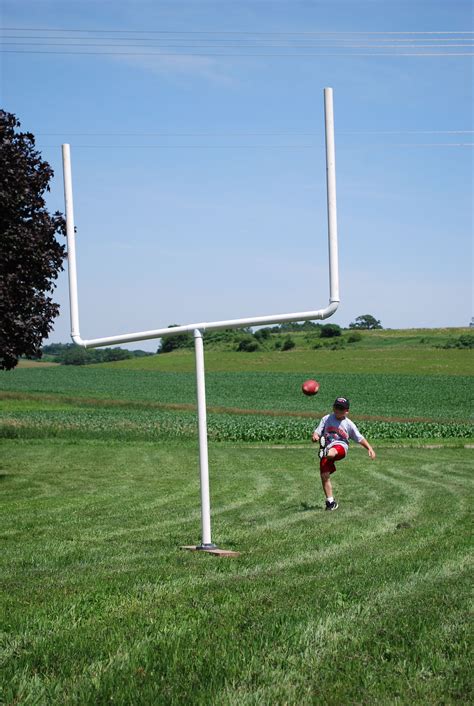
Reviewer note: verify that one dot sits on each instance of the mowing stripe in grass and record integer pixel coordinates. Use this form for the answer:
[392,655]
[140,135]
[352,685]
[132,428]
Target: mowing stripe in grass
[347,607]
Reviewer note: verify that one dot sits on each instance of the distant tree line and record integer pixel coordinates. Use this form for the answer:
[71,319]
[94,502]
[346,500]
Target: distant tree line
[247,340]
[269,338]
[71,354]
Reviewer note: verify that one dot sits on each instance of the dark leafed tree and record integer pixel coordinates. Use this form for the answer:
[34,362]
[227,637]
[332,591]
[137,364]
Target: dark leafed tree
[30,256]
[366,321]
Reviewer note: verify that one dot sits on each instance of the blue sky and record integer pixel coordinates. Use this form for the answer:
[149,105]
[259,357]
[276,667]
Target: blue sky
[199,179]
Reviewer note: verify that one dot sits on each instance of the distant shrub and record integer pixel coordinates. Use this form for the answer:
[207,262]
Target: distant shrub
[330,331]
[466,340]
[172,343]
[263,334]
[317,345]
[278,344]
[248,344]
[76,356]
[334,345]
[288,344]
[354,337]
[227,336]
[295,327]
[113,354]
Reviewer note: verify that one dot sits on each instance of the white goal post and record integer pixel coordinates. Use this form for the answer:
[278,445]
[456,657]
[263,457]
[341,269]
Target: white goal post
[198,328]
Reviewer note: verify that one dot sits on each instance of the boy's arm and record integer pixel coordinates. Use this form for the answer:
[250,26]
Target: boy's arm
[355,434]
[363,442]
[319,429]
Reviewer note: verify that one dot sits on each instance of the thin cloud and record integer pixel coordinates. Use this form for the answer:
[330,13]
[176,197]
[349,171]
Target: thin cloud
[185,65]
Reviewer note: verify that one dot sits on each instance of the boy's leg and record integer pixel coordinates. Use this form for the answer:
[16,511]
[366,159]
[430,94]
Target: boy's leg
[327,466]
[326,483]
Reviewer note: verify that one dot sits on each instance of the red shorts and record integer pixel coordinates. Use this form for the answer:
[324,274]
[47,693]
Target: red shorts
[327,465]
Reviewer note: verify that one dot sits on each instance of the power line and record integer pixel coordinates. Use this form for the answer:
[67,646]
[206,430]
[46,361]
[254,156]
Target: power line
[313,146]
[406,132]
[165,31]
[252,134]
[297,44]
[253,39]
[249,46]
[233,55]
[244,41]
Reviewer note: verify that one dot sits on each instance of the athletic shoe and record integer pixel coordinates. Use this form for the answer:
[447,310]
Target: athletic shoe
[331,506]
[322,447]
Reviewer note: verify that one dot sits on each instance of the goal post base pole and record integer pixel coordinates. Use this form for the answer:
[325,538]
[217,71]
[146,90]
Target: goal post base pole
[210,549]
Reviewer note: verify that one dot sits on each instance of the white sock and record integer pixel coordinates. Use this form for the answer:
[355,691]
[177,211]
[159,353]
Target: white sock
[330,499]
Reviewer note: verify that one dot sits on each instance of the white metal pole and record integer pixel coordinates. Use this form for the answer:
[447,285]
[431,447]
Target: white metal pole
[71,241]
[331,196]
[203,456]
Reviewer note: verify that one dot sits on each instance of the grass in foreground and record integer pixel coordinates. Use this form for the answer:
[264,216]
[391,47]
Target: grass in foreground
[365,605]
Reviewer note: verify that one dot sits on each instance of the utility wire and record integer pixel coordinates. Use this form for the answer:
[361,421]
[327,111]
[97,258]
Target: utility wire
[233,55]
[218,147]
[164,31]
[253,134]
[237,39]
[237,46]
[297,44]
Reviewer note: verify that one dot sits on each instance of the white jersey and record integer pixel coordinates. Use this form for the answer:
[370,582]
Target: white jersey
[338,431]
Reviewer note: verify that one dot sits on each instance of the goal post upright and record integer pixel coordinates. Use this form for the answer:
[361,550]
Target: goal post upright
[206,541]
[197,328]
[331,196]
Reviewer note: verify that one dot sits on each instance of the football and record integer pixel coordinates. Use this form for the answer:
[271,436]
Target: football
[310,387]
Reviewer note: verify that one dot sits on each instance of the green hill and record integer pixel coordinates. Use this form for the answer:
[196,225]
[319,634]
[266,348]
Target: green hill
[417,351]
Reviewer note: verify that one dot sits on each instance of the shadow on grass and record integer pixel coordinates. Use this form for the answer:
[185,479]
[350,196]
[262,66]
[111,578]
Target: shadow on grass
[306,507]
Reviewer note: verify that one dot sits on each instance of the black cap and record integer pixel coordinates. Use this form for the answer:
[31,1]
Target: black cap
[341,402]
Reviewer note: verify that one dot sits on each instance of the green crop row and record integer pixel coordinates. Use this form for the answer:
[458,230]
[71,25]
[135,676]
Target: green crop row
[432,397]
[157,424]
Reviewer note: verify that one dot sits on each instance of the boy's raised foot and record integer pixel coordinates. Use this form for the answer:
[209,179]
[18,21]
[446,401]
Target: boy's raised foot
[322,447]
[331,506]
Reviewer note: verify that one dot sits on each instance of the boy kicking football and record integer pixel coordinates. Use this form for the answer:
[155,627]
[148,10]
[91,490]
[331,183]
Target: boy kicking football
[333,433]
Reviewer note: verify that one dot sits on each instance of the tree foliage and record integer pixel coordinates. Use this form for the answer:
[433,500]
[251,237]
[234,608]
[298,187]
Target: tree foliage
[247,343]
[330,331]
[288,343]
[178,340]
[365,321]
[30,256]
[71,354]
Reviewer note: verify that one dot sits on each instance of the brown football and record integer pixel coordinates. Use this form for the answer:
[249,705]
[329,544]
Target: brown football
[310,387]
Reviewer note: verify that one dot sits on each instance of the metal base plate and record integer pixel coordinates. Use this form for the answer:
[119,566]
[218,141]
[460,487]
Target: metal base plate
[210,549]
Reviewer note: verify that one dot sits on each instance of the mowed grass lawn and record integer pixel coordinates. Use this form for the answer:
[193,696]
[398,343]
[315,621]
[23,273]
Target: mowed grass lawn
[367,605]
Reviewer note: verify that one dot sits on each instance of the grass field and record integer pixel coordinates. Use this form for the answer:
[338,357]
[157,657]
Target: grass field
[142,404]
[413,351]
[99,479]
[365,605]
[419,360]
